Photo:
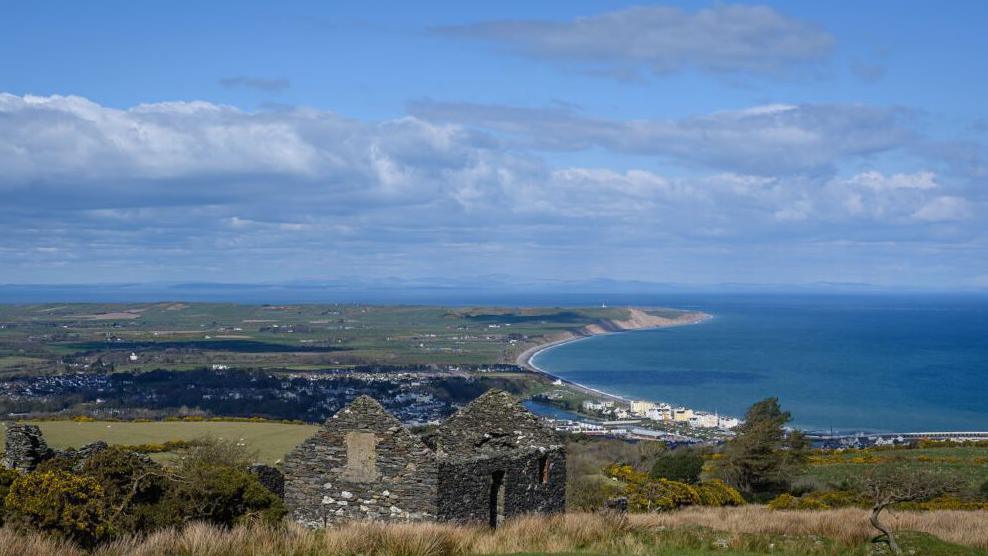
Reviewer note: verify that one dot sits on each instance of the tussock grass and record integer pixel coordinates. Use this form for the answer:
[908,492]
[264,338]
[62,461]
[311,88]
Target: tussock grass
[846,526]
[750,529]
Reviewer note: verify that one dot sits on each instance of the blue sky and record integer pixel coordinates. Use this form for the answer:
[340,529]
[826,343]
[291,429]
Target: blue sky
[697,143]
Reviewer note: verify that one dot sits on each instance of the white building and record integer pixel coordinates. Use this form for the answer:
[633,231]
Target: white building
[601,406]
[661,412]
[641,407]
[705,420]
[682,414]
[728,422]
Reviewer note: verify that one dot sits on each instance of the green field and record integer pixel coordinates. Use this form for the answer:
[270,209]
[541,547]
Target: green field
[271,440]
[967,462]
[179,336]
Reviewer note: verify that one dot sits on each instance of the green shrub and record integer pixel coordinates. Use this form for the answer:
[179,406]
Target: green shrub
[60,462]
[222,495]
[59,503]
[681,465]
[7,478]
[591,492]
[818,500]
[945,502]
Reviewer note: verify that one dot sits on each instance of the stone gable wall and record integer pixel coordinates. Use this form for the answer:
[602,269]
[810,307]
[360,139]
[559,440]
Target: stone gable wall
[493,424]
[322,488]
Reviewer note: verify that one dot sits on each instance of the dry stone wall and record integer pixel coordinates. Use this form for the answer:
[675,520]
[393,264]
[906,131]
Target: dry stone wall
[25,447]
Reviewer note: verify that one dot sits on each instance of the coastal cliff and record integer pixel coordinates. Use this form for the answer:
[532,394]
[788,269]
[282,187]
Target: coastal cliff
[637,319]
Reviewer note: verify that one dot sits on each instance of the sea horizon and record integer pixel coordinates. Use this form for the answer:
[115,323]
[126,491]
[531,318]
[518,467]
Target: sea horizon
[847,363]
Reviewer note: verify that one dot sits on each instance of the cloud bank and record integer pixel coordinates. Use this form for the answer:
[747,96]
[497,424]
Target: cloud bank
[766,140]
[196,190]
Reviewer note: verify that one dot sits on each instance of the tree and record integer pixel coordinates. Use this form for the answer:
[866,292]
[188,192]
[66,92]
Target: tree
[893,482]
[754,460]
[681,465]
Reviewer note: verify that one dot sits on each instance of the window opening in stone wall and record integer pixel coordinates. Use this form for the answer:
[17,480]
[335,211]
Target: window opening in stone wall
[544,469]
[361,457]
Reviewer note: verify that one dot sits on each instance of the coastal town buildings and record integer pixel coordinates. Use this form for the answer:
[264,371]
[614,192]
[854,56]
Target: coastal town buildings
[663,412]
[598,406]
[682,414]
[641,407]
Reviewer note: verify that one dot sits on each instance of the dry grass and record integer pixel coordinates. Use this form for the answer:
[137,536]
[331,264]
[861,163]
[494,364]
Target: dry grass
[847,526]
[755,529]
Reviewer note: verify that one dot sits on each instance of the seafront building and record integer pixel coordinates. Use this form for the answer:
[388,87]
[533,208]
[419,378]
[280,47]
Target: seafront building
[641,407]
[664,412]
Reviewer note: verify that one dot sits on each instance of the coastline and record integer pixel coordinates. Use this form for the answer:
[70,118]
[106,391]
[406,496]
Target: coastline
[640,321]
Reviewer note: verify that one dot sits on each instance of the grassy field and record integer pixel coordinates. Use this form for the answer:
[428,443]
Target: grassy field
[968,463]
[271,440]
[723,531]
[47,338]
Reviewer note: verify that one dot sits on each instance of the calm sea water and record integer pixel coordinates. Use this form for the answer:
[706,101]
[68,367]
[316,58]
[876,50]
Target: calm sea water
[876,363]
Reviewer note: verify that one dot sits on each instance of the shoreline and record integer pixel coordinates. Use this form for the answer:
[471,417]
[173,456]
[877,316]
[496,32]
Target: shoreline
[640,321]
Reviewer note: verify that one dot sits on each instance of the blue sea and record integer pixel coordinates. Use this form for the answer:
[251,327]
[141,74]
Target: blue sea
[847,362]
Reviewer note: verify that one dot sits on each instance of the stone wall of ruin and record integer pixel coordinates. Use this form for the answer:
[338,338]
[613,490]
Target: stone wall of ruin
[533,482]
[362,465]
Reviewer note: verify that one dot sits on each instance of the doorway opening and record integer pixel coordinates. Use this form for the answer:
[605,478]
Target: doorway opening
[497,499]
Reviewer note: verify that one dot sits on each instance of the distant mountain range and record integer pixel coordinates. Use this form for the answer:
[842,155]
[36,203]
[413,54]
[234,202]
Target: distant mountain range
[492,289]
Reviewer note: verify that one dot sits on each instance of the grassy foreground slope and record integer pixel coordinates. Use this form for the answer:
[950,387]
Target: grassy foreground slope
[725,531]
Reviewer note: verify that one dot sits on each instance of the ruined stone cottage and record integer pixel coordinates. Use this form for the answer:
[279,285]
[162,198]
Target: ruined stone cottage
[491,460]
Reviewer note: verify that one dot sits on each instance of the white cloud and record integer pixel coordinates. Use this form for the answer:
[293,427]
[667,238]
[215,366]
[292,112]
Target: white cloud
[878,181]
[662,39]
[943,209]
[767,140]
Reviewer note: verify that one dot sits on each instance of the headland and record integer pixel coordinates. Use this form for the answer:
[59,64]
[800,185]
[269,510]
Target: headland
[638,319]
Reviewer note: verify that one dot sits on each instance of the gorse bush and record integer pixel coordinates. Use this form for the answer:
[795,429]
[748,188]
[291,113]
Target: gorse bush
[61,503]
[114,491]
[716,492]
[648,494]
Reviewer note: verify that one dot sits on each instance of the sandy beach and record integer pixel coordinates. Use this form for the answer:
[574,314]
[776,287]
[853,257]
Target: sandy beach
[638,320]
